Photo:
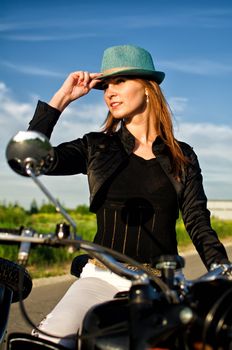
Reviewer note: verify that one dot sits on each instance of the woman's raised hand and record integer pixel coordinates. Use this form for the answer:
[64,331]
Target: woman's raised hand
[76,85]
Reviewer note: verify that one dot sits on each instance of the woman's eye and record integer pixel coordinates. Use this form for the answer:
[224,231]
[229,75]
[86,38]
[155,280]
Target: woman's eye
[120,80]
[114,81]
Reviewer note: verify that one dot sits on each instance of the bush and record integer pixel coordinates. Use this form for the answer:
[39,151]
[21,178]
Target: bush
[83,209]
[43,260]
[12,215]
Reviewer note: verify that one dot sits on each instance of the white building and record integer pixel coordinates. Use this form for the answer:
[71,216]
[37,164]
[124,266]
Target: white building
[221,209]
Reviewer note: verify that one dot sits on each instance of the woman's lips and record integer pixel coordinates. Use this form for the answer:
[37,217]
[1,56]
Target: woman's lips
[115,104]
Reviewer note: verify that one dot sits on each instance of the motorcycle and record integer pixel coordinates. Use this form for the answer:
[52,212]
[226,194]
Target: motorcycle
[165,312]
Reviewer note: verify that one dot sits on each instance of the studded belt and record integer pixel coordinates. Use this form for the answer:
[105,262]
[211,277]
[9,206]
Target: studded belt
[148,267]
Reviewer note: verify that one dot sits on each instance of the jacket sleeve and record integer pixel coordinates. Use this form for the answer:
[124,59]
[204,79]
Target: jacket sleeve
[70,157]
[196,216]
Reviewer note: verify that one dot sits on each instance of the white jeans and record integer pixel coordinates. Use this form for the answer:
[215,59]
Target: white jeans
[94,287]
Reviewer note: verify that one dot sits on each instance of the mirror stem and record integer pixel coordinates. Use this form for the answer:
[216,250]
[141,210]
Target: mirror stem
[59,208]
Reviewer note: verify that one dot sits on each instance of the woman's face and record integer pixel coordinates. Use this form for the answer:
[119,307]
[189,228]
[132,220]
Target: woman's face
[124,97]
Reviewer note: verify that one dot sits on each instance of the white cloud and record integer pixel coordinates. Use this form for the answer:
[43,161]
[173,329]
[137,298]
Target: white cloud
[32,70]
[58,25]
[77,121]
[15,116]
[192,16]
[45,37]
[178,104]
[211,142]
[198,66]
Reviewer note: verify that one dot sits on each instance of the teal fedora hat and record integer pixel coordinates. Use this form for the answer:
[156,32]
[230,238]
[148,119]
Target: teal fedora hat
[128,60]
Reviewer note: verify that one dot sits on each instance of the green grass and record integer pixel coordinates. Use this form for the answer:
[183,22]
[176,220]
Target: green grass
[222,227]
[45,261]
[48,261]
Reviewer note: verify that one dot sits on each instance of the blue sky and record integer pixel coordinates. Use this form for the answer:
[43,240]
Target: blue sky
[42,41]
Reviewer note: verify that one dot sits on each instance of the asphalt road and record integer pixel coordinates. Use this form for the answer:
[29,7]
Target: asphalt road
[47,292]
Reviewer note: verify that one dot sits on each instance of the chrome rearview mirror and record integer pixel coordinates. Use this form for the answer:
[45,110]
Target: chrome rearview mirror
[29,150]
[29,153]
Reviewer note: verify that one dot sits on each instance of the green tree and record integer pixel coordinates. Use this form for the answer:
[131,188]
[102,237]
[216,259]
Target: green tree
[12,215]
[47,208]
[82,209]
[33,207]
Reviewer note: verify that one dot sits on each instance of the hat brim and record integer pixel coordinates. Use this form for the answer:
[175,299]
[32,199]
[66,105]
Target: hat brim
[156,76]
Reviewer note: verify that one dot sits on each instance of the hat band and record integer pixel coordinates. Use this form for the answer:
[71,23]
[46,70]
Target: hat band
[118,69]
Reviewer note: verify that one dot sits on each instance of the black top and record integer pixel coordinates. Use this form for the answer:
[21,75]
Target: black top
[139,211]
[99,155]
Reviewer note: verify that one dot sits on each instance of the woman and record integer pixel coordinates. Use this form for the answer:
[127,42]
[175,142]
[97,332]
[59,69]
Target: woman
[139,176]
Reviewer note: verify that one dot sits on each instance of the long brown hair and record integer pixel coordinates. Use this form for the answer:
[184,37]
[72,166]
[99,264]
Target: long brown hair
[162,116]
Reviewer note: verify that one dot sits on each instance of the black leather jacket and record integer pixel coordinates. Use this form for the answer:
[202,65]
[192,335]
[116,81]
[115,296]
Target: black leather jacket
[98,155]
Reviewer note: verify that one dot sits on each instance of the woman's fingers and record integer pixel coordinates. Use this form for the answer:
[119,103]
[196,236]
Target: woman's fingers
[87,79]
[79,83]
[76,85]
[84,78]
[95,75]
[94,79]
